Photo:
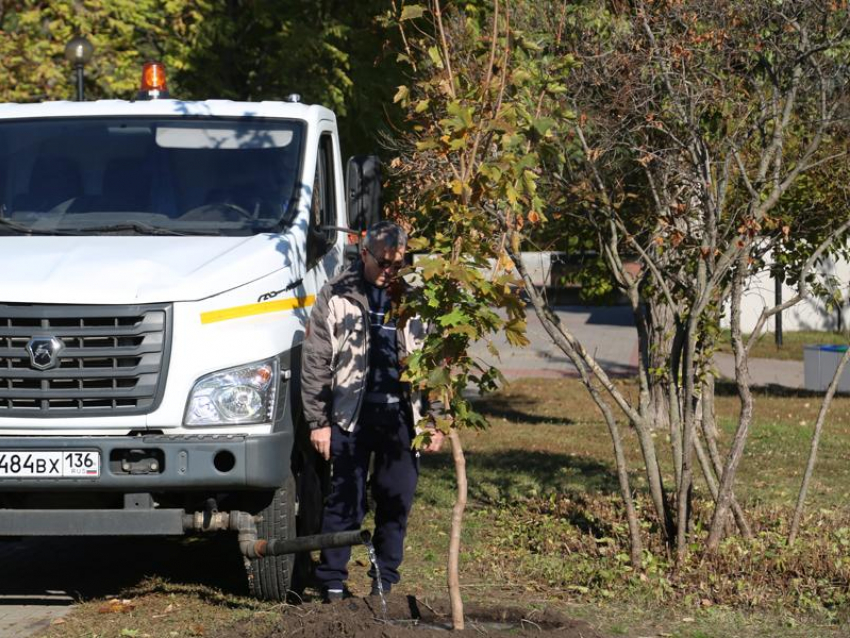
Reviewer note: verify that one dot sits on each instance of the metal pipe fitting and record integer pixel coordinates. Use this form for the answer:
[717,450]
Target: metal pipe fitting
[245,526]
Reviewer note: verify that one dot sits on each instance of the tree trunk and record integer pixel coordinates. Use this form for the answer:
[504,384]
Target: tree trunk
[683,502]
[742,379]
[659,405]
[662,403]
[708,426]
[708,474]
[656,482]
[813,452]
[635,544]
[709,412]
[707,471]
[674,401]
[457,524]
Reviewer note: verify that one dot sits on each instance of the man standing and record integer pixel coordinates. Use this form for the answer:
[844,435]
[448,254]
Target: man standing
[356,404]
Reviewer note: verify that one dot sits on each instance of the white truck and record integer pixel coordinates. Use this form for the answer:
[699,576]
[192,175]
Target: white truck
[158,262]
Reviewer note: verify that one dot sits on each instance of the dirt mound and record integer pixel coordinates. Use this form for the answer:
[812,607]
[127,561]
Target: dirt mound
[406,616]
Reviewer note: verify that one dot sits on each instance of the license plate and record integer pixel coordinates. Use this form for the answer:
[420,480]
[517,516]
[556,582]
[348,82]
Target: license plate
[50,464]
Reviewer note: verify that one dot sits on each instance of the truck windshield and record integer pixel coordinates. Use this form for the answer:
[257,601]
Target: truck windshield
[148,176]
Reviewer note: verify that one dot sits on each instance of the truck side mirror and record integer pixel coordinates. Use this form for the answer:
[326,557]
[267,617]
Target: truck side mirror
[363,182]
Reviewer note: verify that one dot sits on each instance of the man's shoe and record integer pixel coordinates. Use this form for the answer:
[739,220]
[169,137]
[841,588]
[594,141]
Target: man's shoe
[332,595]
[376,592]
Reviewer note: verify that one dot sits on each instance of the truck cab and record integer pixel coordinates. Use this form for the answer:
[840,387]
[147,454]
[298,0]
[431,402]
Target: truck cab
[160,259]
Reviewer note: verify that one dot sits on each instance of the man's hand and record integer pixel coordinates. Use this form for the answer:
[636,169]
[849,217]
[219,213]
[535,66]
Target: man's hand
[321,441]
[436,442]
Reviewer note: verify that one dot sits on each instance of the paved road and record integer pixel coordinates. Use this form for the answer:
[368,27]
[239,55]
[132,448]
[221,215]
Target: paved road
[608,333]
[41,578]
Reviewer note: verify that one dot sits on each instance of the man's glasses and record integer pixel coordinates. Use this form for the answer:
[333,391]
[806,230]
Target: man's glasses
[385,264]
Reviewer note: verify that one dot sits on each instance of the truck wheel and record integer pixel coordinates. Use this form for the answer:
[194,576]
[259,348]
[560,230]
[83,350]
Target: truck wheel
[269,578]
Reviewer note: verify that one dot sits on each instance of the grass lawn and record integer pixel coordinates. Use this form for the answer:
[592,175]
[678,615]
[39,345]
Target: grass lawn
[547,440]
[792,343]
[540,530]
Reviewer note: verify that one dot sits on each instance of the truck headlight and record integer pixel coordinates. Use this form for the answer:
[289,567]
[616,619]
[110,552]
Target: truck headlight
[245,394]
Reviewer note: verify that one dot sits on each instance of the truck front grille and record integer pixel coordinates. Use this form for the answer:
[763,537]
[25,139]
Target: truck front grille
[111,360]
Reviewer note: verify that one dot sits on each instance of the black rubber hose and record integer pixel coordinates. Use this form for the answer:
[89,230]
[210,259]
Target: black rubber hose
[277,547]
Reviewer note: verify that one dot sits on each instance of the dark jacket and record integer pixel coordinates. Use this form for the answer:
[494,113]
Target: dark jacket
[335,358]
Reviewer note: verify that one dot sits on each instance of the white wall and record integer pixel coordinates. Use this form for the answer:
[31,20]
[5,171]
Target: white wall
[810,314]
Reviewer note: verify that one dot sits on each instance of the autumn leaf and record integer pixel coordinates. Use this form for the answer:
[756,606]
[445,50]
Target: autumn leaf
[505,263]
[116,606]
[515,333]
[676,238]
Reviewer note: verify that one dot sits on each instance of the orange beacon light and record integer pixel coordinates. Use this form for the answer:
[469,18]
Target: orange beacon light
[153,84]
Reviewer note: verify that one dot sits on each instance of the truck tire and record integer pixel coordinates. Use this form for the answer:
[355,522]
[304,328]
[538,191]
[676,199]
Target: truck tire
[270,578]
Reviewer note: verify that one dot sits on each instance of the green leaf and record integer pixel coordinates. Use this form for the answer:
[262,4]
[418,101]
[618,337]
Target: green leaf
[420,440]
[411,12]
[417,243]
[401,94]
[439,376]
[443,425]
[436,58]
[543,125]
[520,76]
[465,330]
[454,318]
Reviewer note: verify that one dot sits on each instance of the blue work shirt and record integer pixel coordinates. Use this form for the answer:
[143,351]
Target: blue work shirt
[384,374]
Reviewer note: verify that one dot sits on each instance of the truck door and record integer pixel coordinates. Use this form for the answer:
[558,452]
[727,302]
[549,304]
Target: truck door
[324,246]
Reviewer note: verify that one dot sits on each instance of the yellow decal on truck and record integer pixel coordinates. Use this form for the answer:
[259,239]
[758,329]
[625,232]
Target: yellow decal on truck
[237,312]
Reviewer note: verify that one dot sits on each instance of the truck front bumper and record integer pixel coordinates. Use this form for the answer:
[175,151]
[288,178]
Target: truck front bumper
[163,463]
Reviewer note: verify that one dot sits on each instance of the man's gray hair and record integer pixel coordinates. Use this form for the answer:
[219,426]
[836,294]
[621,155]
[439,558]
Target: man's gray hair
[388,234]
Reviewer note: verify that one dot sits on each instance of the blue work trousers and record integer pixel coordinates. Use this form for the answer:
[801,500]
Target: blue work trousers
[385,431]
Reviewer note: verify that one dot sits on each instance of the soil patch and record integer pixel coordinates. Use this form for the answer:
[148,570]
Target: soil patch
[407,617]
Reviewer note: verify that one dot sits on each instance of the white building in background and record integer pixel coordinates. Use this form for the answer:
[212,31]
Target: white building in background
[809,314]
